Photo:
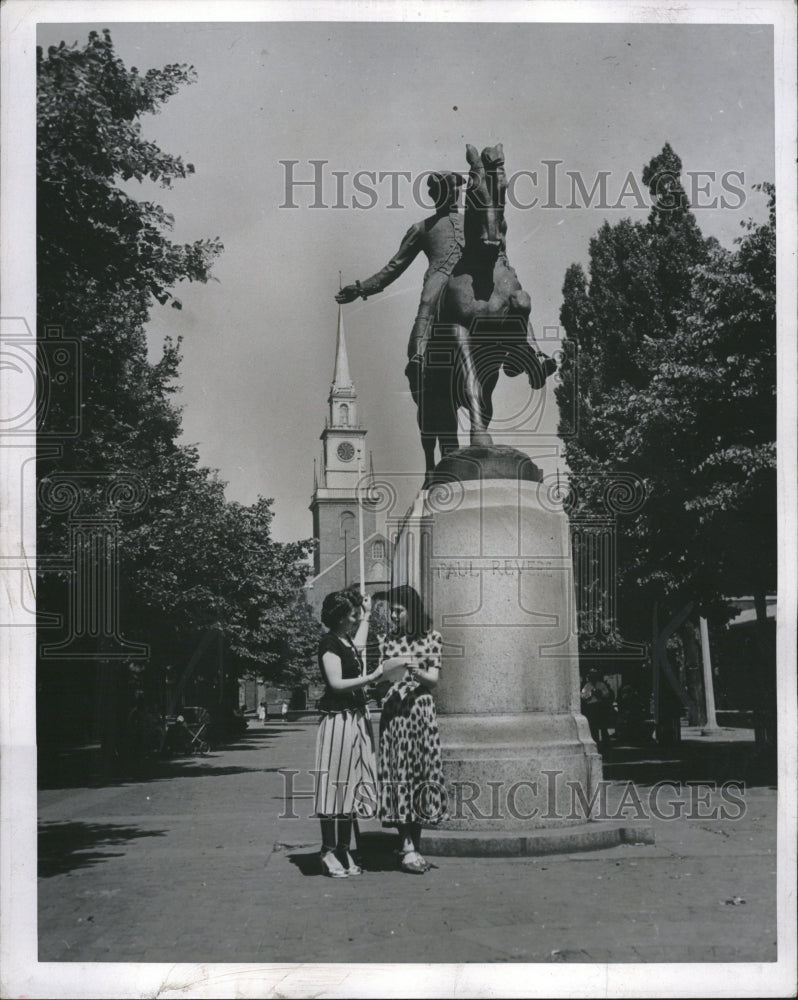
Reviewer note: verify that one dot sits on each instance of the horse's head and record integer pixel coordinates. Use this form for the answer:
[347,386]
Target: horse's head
[487,185]
[493,156]
[444,187]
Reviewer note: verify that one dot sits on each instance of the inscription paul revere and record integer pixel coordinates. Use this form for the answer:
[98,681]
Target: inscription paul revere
[494,567]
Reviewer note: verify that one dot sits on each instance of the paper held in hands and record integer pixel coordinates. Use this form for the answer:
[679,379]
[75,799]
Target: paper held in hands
[394,673]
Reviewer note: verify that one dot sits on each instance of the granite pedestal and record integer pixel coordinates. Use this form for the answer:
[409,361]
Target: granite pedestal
[490,552]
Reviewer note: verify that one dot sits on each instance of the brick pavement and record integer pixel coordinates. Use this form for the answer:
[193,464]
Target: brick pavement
[196,865]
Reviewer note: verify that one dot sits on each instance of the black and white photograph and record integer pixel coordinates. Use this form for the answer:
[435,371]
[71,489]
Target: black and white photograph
[398,447]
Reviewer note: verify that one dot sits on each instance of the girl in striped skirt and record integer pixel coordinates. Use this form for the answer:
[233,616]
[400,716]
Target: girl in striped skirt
[346,772]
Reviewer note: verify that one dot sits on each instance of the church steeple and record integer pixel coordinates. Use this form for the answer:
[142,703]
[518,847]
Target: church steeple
[342,398]
[341,378]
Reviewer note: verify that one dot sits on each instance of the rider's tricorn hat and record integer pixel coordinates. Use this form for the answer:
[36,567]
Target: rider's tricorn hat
[445,178]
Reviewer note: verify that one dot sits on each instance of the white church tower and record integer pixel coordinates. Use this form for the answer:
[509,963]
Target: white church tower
[334,503]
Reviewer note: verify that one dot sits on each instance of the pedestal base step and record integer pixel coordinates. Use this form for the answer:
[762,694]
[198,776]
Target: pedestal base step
[561,840]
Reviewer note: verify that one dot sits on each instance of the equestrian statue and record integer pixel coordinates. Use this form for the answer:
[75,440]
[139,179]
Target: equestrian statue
[473,317]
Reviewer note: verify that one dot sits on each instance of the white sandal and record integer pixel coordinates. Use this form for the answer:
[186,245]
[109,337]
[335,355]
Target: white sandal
[331,866]
[351,867]
[413,863]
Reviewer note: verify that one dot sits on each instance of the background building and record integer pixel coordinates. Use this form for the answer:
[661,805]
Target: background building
[340,497]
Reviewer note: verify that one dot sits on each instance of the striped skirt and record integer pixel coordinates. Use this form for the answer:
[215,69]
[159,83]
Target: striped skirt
[346,769]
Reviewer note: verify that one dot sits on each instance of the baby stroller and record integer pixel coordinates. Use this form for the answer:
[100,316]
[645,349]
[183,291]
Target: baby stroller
[196,719]
[187,734]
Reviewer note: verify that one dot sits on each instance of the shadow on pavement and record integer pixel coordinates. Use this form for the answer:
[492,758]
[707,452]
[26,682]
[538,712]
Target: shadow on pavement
[72,767]
[254,739]
[65,846]
[376,851]
[690,760]
[309,862]
[373,856]
[195,767]
[88,766]
[277,728]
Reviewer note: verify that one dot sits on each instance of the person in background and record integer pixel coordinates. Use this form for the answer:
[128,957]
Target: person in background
[632,720]
[596,699]
[346,777]
[135,734]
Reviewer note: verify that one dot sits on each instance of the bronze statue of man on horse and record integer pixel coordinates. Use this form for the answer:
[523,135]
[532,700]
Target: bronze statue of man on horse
[473,310]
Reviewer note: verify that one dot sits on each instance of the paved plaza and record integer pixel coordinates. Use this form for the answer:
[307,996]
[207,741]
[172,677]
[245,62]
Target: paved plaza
[200,863]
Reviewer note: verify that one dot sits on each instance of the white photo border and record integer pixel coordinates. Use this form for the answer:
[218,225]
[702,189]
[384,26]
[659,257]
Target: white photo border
[21,973]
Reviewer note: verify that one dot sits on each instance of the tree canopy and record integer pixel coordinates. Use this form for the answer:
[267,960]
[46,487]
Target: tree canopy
[190,560]
[674,380]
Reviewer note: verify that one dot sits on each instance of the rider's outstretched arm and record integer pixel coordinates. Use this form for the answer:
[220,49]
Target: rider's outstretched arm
[408,250]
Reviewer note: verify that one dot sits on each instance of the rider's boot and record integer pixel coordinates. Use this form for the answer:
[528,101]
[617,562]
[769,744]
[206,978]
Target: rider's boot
[414,370]
[534,362]
[541,368]
[417,347]
[548,364]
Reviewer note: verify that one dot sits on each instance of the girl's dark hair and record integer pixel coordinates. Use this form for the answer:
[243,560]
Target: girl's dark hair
[336,607]
[354,595]
[418,622]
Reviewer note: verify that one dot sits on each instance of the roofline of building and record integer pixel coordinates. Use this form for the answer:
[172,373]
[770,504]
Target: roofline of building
[375,534]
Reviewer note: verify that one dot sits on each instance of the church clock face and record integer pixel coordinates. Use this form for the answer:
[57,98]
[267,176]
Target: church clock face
[345,451]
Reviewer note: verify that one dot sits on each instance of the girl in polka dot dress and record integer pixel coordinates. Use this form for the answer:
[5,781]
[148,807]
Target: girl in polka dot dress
[410,774]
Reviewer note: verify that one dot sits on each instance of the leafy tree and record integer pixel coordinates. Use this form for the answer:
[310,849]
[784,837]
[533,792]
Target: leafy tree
[621,317]
[675,242]
[189,560]
[102,256]
[704,429]
[201,563]
[89,138]
[675,381]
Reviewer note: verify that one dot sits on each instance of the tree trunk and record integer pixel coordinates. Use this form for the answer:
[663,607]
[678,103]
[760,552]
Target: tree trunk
[111,705]
[694,675]
[765,709]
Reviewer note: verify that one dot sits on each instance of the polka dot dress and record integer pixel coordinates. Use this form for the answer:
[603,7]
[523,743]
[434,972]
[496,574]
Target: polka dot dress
[410,774]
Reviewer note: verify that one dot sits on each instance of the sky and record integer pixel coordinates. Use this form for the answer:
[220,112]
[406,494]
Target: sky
[259,341]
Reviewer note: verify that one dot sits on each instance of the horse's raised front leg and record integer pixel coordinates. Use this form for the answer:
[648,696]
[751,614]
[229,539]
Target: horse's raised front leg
[472,388]
[525,355]
[537,365]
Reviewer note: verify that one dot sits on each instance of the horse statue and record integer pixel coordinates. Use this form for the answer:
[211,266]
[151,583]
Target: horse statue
[482,324]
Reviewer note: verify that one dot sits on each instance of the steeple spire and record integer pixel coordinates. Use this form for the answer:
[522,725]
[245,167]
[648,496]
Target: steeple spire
[341,379]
